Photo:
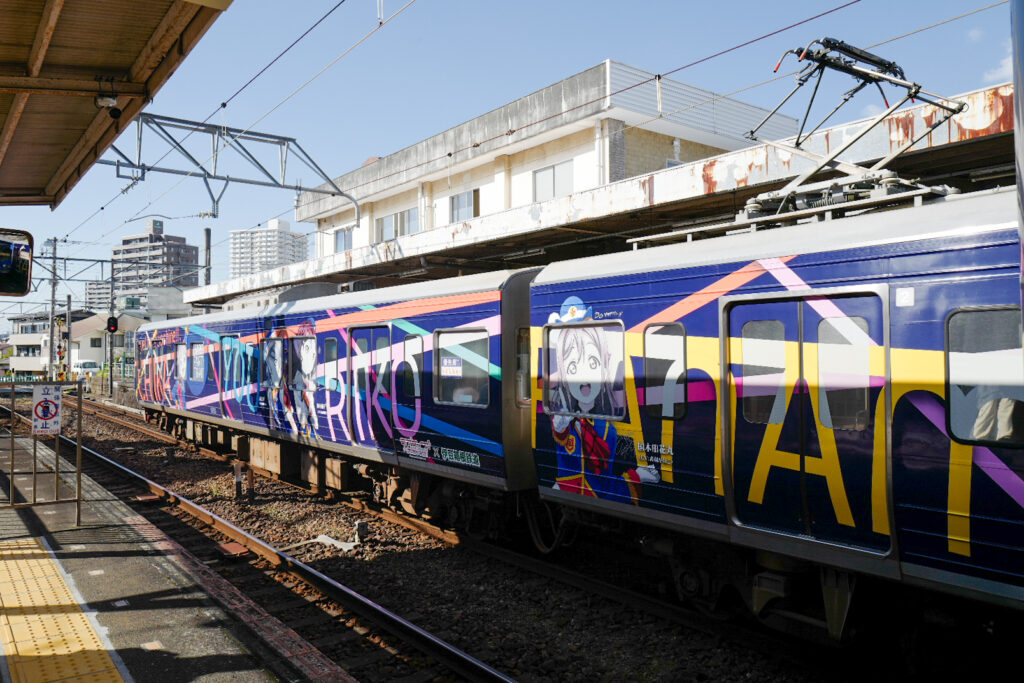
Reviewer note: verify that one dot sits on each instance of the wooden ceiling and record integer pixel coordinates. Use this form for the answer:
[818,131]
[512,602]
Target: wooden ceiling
[56,56]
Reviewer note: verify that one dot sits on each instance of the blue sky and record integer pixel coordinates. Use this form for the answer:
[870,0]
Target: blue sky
[441,62]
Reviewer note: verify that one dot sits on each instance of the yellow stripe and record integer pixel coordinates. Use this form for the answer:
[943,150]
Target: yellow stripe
[961,458]
[45,634]
[879,472]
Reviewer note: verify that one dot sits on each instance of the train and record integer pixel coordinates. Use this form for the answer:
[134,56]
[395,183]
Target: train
[798,419]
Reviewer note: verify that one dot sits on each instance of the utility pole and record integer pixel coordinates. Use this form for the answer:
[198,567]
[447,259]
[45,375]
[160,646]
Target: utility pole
[67,346]
[206,235]
[53,306]
[110,335]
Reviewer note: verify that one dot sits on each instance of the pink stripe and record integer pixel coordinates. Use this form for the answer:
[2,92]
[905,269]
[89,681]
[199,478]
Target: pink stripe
[826,308]
[997,471]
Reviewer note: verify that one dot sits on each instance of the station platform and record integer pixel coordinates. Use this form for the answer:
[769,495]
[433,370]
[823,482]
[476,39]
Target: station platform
[112,599]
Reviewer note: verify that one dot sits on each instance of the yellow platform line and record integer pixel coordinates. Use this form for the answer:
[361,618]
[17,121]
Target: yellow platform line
[45,634]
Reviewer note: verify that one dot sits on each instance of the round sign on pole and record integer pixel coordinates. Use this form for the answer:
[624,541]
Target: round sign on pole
[46,409]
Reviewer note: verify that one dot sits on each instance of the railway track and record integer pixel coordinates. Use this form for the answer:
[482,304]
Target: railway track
[782,653]
[780,649]
[359,635]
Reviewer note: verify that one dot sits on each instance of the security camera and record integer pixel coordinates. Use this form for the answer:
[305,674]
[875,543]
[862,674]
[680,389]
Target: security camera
[108,102]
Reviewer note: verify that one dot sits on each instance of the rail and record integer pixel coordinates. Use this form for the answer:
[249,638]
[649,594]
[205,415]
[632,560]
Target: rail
[461,662]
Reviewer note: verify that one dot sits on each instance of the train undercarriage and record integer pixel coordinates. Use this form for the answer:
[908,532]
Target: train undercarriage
[806,599]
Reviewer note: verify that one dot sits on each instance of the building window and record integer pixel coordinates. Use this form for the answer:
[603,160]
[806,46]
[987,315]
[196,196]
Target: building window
[397,224]
[118,341]
[462,372]
[983,365]
[96,343]
[342,240]
[464,206]
[553,181]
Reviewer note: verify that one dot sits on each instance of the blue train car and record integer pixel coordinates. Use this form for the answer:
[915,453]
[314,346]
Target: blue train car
[408,377]
[845,394]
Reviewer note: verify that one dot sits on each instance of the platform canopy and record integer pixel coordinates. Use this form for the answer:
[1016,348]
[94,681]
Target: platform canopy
[68,68]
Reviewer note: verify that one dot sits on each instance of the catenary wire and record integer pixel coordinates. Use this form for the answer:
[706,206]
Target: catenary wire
[717,97]
[223,105]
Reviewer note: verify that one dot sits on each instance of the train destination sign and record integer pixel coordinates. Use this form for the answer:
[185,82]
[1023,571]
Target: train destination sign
[46,409]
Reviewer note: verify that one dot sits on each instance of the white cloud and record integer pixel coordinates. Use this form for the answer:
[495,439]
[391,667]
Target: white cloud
[975,35]
[1002,72]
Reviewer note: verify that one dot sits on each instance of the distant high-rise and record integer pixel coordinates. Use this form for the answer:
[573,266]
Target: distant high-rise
[154,260]
[97,295]
[261,249]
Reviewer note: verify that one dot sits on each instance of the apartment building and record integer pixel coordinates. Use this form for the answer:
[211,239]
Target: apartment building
[260,249]
[153,259]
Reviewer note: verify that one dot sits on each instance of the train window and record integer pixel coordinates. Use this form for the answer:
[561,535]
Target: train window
[523,377]
[302,364]
[272,353]
[181,361]
[844,373]
[984,374]
[198,362]
[382,359]
[230,361]
[584,370]
[665,370]
[764,371]
[331,364]
[462,368]
[412,369]
[252,364]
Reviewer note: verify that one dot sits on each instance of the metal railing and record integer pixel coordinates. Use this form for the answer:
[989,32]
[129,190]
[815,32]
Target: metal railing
[11,389]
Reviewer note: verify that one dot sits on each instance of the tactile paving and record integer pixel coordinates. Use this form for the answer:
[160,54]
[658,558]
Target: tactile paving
[45,635]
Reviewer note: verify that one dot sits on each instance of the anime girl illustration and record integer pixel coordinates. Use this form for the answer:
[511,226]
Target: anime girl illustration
[272,376]
[592,458]
[303,381]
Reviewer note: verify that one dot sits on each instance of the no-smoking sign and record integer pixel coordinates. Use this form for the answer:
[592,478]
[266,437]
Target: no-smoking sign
[46,409]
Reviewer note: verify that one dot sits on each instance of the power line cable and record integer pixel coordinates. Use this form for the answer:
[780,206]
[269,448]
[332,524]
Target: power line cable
[292,94]
[223,105]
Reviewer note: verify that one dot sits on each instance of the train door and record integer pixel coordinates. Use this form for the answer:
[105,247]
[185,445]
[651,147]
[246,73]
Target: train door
[370,386]
[808,417]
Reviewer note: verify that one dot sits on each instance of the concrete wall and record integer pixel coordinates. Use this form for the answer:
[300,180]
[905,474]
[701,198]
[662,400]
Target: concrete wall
[646,151]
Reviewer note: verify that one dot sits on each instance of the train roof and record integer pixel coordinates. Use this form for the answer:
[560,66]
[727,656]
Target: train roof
[466,284]
[977,212]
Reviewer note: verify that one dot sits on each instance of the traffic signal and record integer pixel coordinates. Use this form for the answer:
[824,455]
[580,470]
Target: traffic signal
[111,324]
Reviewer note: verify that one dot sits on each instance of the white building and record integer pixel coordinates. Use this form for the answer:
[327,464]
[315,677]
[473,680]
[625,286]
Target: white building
[261,249]
[153,259]
[508,173]
[97,295]
[586,131]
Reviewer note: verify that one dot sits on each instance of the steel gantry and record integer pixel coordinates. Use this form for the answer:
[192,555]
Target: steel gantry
[221,138]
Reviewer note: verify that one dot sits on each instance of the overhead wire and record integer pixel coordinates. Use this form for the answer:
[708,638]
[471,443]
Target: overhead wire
[292,94]
[223,105]
[475,144]
[533,123]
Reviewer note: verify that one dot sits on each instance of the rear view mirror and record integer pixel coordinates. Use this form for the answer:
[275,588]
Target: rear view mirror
[15,262]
